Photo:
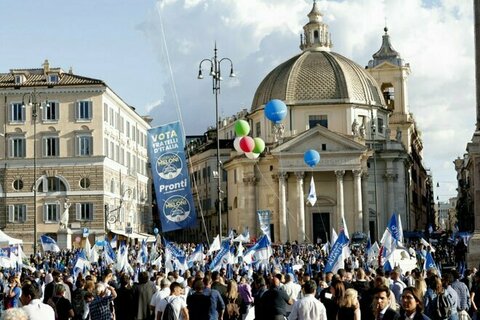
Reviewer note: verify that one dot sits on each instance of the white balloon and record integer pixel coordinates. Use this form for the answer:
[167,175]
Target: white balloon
[236,145]
[252,155]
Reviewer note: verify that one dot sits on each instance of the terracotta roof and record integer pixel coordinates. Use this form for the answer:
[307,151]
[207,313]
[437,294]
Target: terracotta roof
[38,77]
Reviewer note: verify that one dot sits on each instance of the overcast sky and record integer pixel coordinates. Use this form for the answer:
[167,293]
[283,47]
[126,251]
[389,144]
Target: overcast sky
[125,43]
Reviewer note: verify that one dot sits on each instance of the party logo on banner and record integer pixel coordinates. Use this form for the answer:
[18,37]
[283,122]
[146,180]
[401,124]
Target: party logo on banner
[170,177]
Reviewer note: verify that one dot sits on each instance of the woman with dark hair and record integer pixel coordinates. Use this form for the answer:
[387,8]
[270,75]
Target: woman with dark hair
[412,305]
[143,293]
[331,297]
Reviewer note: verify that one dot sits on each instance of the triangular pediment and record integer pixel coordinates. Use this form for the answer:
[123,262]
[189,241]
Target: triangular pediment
[319,138]
[337,151]
[386,65]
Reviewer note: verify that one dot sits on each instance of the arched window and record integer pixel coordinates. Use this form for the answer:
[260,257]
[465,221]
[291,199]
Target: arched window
[316,37]
[389,95]
[52,184]
[112,186]
[235,203]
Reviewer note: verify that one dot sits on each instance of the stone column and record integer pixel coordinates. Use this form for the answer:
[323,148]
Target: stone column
[282,206]
[390,178]
[366,210]
[251,203]
[301,207]
[340,202]
[357,194]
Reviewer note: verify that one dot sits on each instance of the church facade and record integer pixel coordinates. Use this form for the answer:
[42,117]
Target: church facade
[357,119]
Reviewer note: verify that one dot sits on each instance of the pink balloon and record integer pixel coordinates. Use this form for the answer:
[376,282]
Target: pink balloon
[247,144]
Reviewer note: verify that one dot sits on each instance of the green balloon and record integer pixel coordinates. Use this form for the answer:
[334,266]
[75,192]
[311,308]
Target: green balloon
[259,145]
[242,128]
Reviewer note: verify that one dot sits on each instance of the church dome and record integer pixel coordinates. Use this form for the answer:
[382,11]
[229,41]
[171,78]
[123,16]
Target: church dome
[317,75]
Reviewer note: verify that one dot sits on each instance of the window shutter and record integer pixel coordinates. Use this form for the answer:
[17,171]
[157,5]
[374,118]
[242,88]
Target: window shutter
[24,213]
[11,210]
[23,114]
[45,209]
[77,106]
[90,216]
[90,110]
[78,211]
[57,110]
[76,145]
[90,146]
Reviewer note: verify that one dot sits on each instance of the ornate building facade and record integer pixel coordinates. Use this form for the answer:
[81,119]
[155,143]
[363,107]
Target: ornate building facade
[70,145]
[357,119]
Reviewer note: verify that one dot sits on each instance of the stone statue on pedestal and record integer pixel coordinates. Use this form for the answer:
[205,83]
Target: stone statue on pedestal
[64,216]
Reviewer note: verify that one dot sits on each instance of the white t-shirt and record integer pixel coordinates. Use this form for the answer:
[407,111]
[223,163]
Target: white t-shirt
[157,297]
[37,310]
[178,303]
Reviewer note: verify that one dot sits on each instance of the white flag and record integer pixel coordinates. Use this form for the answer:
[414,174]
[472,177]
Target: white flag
[312,194]
[215,245]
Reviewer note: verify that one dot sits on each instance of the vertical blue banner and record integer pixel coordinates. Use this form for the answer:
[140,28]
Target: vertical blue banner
[170,177]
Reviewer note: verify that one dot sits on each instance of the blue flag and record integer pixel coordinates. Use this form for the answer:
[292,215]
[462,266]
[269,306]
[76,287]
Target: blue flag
[335,259]
[394,228]
[170,177]
[430,263]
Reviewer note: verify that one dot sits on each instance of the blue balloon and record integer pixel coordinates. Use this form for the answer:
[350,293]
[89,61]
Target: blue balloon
[155,231]
[311,157]
[275,110]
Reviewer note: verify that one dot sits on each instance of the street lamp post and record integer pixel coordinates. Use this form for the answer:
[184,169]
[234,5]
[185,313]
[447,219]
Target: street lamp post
[33,99]
[111,216]
[215,73]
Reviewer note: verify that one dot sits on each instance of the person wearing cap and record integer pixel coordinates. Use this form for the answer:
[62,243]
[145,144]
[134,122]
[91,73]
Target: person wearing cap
[412,305]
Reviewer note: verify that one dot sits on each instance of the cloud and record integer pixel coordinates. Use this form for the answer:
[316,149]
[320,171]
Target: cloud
[434,37]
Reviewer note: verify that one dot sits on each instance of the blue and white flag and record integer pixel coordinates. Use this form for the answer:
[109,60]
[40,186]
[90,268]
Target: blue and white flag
[391,237]
[197,255]
[113,242]
[336,257]
[216,263]
[176,254]
[48,244]
[262,250]
[312,194]
[142,255]
[333,237]
[109,254]
[430,263]
[264,218]
[170,177]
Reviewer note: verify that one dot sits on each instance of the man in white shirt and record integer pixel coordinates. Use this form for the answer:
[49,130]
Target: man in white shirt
[308,308]
[32,305]
[292,289]
[176,300]
[160,295]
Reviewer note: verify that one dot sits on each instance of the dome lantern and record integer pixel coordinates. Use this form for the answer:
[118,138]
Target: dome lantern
[316,36]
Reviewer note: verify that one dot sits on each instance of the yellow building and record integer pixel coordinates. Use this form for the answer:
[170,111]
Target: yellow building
[71,151]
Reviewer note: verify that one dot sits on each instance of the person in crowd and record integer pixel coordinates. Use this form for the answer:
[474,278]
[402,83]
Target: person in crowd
[160,294]
[32,303]
[397,285]
[260,289]
[381,305]
[125,300]
[218,284]
[349,307]
[49,288]
[63,308]
[331,298]
[308,307]
[142,295]
[78,299]
[100,306]
[233,298]
[217,305]
[292,289]
[15,314]
[447,280]
[463,294]
[412,305]
[245,290]
[177,301]
[274,301]
[198,304]
[12,293]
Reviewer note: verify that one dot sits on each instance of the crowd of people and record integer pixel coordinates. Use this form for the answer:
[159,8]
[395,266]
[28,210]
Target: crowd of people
[49,288]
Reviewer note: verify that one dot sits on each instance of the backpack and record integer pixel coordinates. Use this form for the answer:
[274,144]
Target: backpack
[233,310]
[169,313]
[443,306]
